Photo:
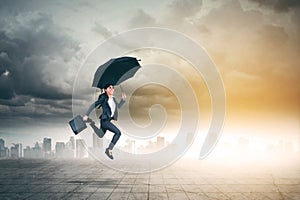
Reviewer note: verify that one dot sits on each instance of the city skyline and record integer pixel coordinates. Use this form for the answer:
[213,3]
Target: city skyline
[77,148]
[66,149]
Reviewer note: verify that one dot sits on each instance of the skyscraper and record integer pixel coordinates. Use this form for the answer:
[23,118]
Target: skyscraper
[70,148]
[72,141]
[81,151]
[160,143]
[37,151]
[2,142]
[16,151]
[47,145]
[4,151]
[2,148]
[27,152]
[59,149]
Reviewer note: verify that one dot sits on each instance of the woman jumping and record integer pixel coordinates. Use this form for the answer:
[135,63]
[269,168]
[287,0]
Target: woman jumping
[109,112]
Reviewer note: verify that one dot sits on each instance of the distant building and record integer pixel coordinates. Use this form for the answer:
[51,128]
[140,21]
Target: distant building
[70,148]
[130,146]
[72,142]
[160,143]
[47,147]
[2,144]
[149,148]
[16,151]
[27,152]
[81,151]
[59,149]
[133,146]
[36,151]
[4,151]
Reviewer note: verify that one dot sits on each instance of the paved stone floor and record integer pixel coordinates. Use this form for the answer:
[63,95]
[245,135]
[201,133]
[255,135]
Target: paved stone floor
[186,179]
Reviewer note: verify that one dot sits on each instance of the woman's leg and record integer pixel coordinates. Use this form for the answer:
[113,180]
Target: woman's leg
[99,131]
[107,125]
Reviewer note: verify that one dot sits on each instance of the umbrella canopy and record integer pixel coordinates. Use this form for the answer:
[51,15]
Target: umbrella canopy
[115,71]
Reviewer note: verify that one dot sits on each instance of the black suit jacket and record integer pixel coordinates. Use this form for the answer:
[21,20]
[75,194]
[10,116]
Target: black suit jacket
[103,102]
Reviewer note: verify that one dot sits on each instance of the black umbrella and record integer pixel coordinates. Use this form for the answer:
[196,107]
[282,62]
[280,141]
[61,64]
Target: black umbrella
[115,71]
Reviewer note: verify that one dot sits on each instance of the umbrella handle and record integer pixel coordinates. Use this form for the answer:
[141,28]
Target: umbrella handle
[122,91]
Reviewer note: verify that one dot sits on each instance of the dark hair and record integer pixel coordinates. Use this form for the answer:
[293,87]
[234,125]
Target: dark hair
[107,85]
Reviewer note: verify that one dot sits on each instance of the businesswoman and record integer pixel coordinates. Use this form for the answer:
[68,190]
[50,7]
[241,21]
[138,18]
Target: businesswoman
[110,108]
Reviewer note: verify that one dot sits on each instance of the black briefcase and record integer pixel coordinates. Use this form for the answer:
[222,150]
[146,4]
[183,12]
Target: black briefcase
[77,124]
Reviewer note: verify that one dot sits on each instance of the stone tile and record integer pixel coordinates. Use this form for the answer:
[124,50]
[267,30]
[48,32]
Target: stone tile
[200,181]
[289,188]
[123,188]
[15,195]
[118,196]
[47,195]
[169,181]
[169,176]
[227,188]
[127,181]
[156,181]
[262,196]
[99,196]
[237,196]
[174,188]
[140,188]
[157,188]
[178,196]
[138,196]
[23,188]
[61,188]
[78,196]
[197,196]
[106,188]
[186,181]
[217,195]
[291,196]
[142,181]
[87,188]
[272,195]
[191,188]
[208,188]
[158,195]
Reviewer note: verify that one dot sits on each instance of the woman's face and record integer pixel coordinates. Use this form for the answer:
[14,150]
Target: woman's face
[110,90]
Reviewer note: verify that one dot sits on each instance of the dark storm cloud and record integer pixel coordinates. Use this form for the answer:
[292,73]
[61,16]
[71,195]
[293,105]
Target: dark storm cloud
[17,100]
[279,5]
[29,44]
[23,108]
[36,63]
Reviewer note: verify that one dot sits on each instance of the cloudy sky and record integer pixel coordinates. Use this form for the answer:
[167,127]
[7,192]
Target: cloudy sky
[255,45]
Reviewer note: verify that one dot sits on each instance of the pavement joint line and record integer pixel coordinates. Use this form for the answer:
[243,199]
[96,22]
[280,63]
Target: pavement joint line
[115,187]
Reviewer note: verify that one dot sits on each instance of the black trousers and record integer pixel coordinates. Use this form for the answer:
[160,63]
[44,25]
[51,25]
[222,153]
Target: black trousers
[107,125]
